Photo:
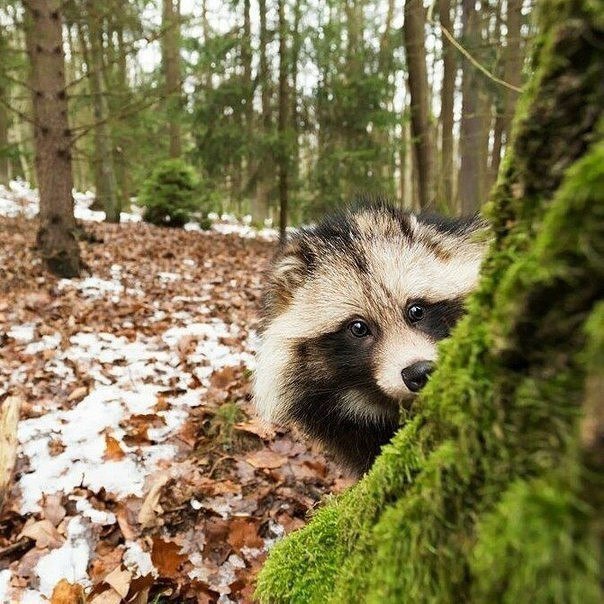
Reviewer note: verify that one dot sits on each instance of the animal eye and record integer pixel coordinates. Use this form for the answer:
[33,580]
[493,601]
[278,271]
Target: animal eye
[415,313]
[359,329]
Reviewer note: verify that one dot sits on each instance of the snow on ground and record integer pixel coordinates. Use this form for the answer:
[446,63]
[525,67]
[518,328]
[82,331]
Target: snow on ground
[19,199]
[86,444]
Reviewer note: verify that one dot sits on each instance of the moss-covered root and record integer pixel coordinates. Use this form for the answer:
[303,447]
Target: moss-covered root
[490,493]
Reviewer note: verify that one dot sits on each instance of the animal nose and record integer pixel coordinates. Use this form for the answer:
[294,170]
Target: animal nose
[415,376]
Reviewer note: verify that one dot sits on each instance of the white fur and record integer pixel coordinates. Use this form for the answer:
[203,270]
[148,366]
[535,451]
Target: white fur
[399,351]
[358,406]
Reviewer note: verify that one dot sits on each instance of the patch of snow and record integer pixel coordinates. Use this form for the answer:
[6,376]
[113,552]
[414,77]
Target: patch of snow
[67,562]
[29,596]
[92,287]
[138,561]
[20,200]
[95,516]
[22,333]
[166,277]
[45,343]
[5,576]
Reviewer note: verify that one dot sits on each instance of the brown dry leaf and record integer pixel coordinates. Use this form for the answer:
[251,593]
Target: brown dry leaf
[166,557]
[52,508]
[138,425]
[161,404]
[106,558]
[44,533]
[186,345]
[120,580]
[121,514]
[223,378]
[244,532]
[113,451]
[66,593]
[109,596]
[139,589]
[257,427]
[266,459]
[189,433]
[79,392]
[55,447]
[148,515]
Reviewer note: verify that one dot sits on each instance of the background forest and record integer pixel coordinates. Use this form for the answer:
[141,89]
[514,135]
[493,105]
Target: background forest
[291,104]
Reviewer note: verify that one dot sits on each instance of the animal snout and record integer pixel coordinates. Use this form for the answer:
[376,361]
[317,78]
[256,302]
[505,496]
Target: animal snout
[415,376]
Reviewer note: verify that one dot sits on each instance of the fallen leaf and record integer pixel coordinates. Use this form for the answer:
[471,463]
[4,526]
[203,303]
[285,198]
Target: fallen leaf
[44,534]
[113,451]
[166,557]
[257,427]
[52,508]
[266,459]
[109,596]
[147,517]
[79,392]
[120,580]
[224,377]
[67,593]
[244,532]
[121,514]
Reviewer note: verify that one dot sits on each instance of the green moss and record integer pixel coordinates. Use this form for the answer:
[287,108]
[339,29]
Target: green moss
[484,495]
[317,554]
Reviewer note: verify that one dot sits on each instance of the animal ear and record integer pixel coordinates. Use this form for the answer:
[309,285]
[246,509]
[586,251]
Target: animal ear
[289,271]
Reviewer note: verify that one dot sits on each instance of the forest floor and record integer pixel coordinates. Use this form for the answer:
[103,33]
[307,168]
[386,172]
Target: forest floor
[142,472]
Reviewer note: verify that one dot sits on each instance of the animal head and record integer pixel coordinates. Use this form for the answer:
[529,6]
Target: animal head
[353,312]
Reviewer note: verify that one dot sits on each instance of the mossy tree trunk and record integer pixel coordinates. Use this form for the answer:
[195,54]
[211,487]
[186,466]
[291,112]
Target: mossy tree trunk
[492,490]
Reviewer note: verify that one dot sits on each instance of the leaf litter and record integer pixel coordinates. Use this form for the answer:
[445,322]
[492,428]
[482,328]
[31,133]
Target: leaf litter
[142,470]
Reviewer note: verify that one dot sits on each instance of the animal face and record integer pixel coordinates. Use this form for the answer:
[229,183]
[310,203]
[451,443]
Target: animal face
[353,313]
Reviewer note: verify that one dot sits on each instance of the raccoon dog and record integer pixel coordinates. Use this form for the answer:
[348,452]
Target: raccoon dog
[352,313]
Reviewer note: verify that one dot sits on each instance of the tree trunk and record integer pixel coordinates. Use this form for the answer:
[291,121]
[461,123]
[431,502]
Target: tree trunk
[512,73]
[418,88]
[171,66]
[470,177]
[56,238]
[491,491]
[263,185]
[107,193]
[446,107]
[283,117]
[295,118]
[248,84]
[122,157]
[4,142]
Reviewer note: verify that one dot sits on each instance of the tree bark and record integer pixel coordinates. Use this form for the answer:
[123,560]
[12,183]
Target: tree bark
[469,191]
[446,106]
[107,192]
[421,127]
[122,154]
[4,142]
[56,238]
[263,185]
[512,73]
[248,85]
[491,491]
[172,75]
[282,127]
